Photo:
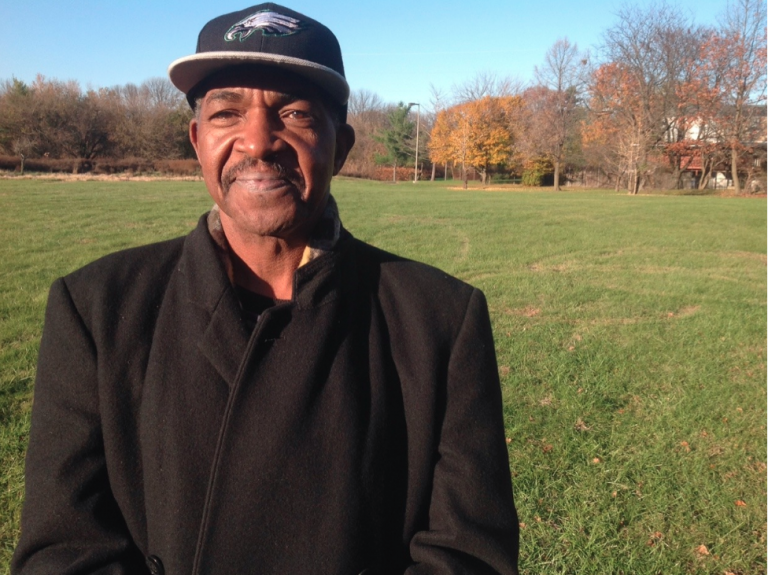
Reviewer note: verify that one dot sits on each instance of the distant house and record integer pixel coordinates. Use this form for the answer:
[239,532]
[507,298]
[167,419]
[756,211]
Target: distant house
[702,152]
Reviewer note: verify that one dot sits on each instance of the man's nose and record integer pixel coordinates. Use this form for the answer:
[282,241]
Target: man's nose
[260,136]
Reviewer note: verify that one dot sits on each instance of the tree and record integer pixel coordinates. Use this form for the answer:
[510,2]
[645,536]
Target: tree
[637,87]
[485,84]
[367,114]
[437,103]
[553,110]
[17,135]
[478,133]
[397,139]
[732,72]
[151,120]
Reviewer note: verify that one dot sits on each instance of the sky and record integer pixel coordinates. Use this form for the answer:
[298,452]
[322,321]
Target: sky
[397,49]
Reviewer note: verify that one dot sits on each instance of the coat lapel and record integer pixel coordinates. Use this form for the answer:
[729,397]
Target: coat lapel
[225,339]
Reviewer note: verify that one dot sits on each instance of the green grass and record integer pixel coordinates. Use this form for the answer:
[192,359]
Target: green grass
[630,333]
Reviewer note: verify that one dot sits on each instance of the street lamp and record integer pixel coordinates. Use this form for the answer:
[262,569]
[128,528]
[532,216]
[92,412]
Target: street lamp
[416,163]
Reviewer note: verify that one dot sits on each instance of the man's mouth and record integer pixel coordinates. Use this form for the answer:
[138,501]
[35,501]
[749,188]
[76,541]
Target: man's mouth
[259,177]
[261,182]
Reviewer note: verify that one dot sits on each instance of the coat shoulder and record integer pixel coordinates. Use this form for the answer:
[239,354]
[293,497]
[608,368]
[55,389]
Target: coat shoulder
[126,266]
[396,271]
[415,290]
[123,282]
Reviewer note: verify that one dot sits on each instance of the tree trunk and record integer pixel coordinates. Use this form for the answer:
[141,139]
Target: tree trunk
[432,179]
[21,169]
[394,173]
[735,170]
[706,172]
[557,175]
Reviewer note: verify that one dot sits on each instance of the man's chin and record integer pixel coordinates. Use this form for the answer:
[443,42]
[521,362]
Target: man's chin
[290,224]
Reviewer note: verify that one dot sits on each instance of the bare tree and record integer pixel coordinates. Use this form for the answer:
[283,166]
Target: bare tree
[438,101]
[739,54]
[367,114]
[554,105]
[485,84]
[646,55]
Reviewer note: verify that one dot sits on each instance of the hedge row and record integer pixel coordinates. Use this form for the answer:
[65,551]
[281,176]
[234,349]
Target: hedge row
[102,166]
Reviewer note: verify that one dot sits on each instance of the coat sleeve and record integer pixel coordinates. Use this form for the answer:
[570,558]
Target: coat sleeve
[70,522]
[473,524]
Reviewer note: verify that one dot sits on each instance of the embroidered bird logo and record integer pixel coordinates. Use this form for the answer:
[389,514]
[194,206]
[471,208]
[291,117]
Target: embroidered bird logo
[270,23]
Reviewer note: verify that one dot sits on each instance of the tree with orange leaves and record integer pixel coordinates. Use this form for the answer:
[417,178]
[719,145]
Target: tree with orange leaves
[619,118]
[477,133]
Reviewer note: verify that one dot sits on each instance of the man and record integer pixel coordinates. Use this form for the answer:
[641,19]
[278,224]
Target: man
[268,394]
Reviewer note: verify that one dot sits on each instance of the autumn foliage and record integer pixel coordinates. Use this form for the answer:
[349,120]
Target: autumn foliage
[478,134]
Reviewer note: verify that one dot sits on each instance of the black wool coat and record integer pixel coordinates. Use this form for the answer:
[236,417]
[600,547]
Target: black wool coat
[357,427]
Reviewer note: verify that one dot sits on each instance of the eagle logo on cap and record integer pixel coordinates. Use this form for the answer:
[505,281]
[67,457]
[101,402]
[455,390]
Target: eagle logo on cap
[270,23]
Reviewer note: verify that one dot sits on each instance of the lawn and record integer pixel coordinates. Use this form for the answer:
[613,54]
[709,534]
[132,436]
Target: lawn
[630,334]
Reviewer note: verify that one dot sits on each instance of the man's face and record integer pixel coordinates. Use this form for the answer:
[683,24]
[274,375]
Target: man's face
[268,147]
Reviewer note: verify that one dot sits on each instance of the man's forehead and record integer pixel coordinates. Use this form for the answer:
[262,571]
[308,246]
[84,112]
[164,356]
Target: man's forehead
[235,83]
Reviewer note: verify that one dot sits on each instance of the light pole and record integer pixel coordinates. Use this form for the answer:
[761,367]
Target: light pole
[416,163]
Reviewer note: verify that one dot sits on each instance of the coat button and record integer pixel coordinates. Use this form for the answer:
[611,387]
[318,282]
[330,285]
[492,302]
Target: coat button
[154,565]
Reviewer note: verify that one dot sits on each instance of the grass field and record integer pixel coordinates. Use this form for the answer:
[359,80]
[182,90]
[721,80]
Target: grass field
[630,333]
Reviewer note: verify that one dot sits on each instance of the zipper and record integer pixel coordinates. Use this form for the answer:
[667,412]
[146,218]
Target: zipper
[222,435]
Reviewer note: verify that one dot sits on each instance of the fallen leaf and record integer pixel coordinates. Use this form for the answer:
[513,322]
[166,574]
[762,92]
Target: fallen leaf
[702,550]
[509,440]
[685,445]
[740,503]
[538,519]
[571,348]
[504,370]
[739,410]
[522,525]
[655,536]
[596,460]
[546,448]
[614,494]
[580,425]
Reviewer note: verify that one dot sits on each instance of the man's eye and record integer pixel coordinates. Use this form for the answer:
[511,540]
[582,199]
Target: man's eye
[298,115]
[223,115]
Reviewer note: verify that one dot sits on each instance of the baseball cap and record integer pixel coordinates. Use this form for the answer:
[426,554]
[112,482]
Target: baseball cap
[265,34]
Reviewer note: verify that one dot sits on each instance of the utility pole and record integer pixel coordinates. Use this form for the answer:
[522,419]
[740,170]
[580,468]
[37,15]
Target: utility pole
[416,163]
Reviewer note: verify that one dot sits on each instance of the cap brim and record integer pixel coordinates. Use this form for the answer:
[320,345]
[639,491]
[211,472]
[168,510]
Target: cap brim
[186,73]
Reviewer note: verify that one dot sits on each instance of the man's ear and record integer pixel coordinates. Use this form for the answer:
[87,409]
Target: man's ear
[193,135]
[345,139]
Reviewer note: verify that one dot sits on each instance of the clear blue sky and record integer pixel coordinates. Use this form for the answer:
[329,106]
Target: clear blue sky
[395,48]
